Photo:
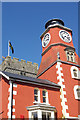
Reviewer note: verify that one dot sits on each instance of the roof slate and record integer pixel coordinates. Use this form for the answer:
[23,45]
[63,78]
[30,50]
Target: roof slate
[21,78]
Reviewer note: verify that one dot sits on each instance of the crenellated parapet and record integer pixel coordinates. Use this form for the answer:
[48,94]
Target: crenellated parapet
[20,67]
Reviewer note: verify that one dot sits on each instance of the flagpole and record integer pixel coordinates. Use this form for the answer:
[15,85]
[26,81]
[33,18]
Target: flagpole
[8,48]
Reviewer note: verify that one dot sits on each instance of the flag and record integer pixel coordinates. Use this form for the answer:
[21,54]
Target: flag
[10,45]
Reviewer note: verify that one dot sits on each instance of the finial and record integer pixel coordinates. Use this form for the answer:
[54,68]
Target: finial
[58,55]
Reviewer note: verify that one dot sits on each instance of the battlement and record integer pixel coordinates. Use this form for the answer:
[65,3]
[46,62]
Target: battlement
[19,66]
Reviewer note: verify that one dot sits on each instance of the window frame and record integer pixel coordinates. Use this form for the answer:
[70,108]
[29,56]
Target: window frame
[38,96]
[75,92]
[46,96]
[69,56]
[72,72]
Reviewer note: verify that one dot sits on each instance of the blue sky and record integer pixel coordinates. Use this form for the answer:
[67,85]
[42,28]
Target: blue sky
[24,22]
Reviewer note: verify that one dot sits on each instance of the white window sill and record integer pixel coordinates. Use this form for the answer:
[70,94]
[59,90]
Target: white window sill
[45,103]
[75,77]
[77,98]
[36,102]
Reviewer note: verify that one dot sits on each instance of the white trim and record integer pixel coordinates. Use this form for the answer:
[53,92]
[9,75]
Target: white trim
[13,102]
[10,98]
[67,115]
[29,115]
[13,116]
[75,92]
[63,105]
[14,85]
[60,68]
[4,75]
[36,102]
[63,99]
[39,96]
[63,86]
[60,78]
[58,71]
[47,101]
[62,91]
[8,106]
[14,92]
[60,83]
[73,117]
[8,114]
[39,114]
[72,74]
[52,115]
[13,110]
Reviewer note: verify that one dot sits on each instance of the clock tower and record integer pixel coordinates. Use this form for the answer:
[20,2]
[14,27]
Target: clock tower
[60,64]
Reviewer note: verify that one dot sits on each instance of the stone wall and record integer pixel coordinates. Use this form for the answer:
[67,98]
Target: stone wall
[19,67]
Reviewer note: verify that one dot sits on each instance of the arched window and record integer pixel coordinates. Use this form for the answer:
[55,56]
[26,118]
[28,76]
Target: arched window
[45,96]
[77,92]
[36,95]
[74,72]
[70,55]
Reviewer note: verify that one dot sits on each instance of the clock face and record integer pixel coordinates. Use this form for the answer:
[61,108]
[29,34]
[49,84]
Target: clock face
[65,36]
[46,40]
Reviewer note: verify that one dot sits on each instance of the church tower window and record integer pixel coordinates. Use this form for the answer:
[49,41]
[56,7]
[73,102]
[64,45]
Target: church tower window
[77,92]
[70,56]
[74,72]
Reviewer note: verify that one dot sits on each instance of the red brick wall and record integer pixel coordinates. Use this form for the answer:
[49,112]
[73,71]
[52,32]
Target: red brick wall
[25,98]
[5,95]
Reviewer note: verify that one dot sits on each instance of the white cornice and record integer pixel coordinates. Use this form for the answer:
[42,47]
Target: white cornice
[41,106]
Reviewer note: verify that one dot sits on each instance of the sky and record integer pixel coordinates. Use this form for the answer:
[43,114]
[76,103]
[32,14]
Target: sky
[24,22]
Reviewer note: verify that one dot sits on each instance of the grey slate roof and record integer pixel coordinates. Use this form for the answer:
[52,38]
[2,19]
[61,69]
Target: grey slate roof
[26,79]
